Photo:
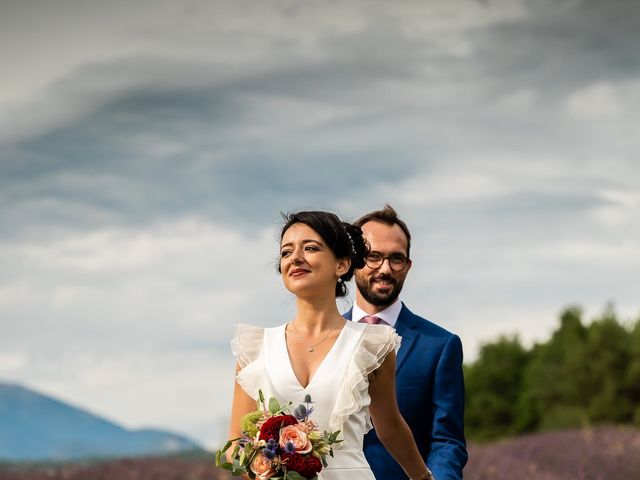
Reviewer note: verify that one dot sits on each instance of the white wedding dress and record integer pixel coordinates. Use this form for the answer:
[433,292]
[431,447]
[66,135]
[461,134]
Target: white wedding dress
[339,388]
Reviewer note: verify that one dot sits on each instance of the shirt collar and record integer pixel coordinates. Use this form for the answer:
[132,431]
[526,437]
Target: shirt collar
[388,315]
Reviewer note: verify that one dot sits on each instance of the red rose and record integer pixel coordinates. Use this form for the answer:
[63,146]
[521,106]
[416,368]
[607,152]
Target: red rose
[271,428]
[307,466]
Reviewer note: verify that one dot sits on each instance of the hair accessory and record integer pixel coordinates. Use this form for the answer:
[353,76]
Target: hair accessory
[353,246]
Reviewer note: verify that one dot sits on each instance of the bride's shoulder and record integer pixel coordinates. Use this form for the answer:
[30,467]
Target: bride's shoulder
[377,329]
[371,331]
[252,336]
[246,333]
[247,342]
[375,335]
[246,328]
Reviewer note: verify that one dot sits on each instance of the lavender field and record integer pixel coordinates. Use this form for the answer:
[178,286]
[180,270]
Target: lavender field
[603,453]
[160,468]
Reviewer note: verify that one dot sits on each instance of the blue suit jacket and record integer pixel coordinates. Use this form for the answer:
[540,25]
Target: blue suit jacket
[430,391]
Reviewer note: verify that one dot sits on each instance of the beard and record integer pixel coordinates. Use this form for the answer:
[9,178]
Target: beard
[379,299]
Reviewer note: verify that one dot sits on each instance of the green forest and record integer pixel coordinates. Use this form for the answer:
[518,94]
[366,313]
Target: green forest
[585,374]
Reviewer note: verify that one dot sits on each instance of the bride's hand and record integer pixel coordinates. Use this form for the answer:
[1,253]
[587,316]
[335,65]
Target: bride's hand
[228,454]
[230,460]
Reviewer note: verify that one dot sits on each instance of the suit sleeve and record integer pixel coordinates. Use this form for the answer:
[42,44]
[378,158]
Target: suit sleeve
[448,453]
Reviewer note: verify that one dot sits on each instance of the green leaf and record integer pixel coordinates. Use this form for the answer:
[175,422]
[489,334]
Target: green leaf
[237,469]
[291,475]
[283,408]
[221,458]
[274,405]
[235,451]
[225,465]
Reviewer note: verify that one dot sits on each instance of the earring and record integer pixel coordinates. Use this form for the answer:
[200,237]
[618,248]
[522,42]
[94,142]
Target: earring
[339,280]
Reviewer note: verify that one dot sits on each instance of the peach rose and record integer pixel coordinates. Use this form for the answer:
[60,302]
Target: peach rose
[297,436]
[261,466]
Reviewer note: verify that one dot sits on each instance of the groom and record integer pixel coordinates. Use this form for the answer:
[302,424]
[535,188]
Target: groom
[429,383]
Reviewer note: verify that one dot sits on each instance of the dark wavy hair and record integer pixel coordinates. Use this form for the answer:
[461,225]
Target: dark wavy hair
[344,239]
[388,216]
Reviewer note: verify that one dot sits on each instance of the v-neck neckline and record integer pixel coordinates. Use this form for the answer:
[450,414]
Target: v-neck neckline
[312,377]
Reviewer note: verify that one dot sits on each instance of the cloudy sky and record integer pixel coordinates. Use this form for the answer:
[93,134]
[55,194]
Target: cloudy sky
[147,149]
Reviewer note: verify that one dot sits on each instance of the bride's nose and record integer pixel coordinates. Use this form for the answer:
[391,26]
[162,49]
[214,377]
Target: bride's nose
[297,256]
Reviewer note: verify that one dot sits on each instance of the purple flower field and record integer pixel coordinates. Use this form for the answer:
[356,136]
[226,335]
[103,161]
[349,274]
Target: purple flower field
[161,468]
[602,453]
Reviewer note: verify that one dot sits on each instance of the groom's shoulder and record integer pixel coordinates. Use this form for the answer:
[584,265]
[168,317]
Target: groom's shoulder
[423,325]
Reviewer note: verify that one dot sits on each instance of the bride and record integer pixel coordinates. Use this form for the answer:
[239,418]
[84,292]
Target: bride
[347,368]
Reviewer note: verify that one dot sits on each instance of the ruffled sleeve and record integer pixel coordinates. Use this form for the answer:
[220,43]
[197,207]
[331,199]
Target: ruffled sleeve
[246,345]
[376,343]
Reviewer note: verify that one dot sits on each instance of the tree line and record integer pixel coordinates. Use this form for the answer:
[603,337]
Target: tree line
[583,375]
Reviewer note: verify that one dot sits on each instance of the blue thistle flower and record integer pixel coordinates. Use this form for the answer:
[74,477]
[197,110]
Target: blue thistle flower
[300,412]
[289,447]
[270,449]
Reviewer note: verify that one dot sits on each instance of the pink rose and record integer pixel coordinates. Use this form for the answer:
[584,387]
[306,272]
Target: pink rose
[261,466]
[297,436]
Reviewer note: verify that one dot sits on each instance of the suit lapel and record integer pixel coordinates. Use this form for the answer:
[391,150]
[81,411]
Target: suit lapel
[406,329]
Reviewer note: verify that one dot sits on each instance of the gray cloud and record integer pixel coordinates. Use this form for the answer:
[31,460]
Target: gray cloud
[145,158]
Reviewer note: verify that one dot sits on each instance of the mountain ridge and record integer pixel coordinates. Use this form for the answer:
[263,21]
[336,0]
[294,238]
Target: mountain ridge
[36,426]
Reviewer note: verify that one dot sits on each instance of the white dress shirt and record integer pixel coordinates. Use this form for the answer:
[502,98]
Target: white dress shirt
[389,315]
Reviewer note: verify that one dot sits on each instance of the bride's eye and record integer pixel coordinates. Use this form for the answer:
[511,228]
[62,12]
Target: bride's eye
[311,248]
[285,253]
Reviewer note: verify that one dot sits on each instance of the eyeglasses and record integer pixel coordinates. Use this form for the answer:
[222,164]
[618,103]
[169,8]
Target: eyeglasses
[397,261]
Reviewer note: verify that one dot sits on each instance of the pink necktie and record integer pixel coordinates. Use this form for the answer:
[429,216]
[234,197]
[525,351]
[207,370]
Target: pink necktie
[371,319]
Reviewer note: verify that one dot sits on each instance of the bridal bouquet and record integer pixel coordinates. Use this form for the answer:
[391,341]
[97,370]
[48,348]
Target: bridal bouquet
[278,445]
